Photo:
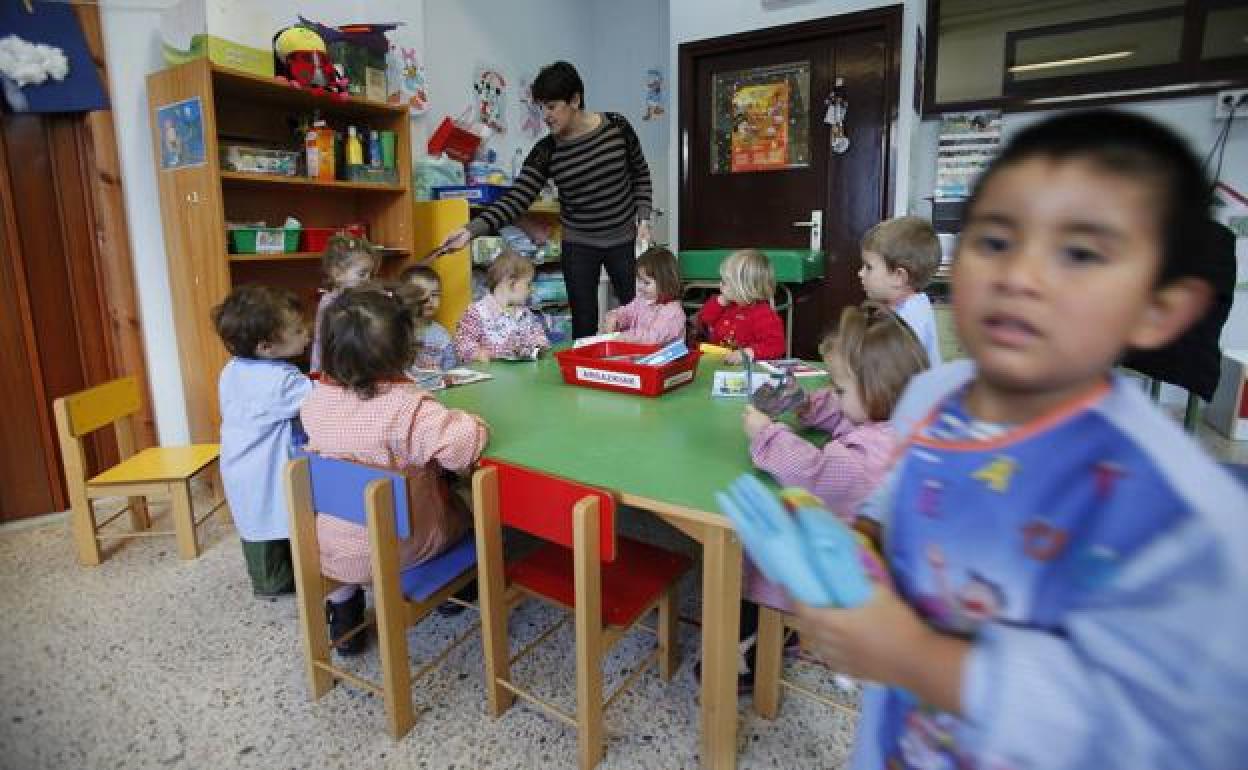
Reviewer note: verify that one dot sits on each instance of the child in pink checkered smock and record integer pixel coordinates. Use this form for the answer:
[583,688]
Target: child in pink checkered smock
[870,358]
[365,410]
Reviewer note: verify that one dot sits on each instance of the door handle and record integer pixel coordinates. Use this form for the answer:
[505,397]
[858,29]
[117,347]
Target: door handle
[815,223]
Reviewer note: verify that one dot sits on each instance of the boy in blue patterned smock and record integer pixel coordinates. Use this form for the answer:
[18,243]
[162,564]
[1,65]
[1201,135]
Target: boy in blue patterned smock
[1071,570]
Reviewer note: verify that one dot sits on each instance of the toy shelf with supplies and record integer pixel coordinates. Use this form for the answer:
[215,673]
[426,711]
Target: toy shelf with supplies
[699,274]
[220,107]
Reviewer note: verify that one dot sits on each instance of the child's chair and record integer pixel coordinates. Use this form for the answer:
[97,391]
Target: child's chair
[773,625]
[376,499]
[608,583]
[154,472]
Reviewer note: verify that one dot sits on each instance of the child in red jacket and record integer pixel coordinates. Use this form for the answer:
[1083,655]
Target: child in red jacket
[741,316]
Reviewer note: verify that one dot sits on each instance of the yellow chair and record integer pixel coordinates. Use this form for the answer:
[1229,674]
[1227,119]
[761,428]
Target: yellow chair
[155,472]
[378,500]
[773,625]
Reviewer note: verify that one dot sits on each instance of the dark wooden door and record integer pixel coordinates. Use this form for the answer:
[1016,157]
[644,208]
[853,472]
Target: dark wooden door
[54,325]
[722,208]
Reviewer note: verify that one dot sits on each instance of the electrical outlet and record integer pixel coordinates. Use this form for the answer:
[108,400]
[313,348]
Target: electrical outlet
[1228,100]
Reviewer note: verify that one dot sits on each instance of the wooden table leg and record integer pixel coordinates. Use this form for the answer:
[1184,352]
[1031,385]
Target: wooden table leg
[721,621]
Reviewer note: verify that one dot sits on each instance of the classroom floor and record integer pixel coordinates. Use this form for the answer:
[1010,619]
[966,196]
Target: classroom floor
[148,661]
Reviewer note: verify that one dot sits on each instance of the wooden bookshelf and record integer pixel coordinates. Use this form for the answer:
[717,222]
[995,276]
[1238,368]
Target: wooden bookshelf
[197,201]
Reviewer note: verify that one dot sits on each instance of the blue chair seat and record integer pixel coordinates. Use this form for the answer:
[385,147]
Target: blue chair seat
[423,580]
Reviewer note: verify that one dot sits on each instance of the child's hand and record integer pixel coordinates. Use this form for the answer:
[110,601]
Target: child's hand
[885,641]
[874,641]
[608,323]
[754,421]
[733,357]
[482,357]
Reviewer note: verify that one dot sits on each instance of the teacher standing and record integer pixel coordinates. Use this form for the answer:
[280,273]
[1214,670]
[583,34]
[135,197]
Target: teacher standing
[595,159]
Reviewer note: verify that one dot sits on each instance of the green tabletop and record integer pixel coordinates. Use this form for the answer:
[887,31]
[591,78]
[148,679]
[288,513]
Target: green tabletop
[677,449]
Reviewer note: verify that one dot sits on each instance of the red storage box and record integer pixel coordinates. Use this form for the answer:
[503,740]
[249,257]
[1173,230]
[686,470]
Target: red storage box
[317,238]
[607,365]
[453,139]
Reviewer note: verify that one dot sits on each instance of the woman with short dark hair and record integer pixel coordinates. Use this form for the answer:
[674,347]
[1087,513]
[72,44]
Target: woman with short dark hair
[596,160]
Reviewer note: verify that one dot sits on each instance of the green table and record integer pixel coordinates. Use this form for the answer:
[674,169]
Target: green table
[668,455]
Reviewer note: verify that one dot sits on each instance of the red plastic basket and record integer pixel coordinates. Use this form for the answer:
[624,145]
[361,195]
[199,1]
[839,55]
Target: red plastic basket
[453,139]
[317,238]
[600,366]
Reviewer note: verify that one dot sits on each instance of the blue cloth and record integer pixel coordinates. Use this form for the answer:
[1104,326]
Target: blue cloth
[260,431]
[1099,562]
[917,312]
[435,347]
[56,25]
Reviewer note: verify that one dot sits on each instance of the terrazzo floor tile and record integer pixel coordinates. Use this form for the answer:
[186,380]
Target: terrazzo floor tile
[149,661]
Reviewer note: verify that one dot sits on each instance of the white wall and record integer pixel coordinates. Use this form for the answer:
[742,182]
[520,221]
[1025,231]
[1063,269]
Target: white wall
[692,20]
[518,38]
[628,39]
[132,45]
[1191,117]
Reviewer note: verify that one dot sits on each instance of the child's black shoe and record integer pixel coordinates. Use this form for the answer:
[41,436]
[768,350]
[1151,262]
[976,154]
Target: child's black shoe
[342,617]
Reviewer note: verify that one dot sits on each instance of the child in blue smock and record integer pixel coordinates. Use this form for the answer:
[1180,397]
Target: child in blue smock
[261,392]
[1071,570]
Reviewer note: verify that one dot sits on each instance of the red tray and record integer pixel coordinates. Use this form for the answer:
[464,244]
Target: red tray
[594,366]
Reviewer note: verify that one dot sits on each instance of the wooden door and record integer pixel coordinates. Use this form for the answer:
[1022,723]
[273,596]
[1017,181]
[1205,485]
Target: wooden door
[54,325]
[726,204]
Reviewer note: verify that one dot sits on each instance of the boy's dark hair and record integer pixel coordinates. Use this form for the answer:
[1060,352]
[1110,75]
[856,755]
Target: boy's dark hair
[558,82]
[660,264]
[422,273]
[415,295]
[508,266]
[909,243]
[252,314]
[366,339]
[341,249]
[1131,146]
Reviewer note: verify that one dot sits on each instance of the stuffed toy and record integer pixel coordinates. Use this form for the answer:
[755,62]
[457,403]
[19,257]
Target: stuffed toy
[301,59]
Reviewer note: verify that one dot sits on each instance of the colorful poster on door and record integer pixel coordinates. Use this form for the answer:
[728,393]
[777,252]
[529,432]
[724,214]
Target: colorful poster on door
[760,130]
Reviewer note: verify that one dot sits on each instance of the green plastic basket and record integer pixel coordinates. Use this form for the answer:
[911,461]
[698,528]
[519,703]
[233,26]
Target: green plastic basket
[264,240]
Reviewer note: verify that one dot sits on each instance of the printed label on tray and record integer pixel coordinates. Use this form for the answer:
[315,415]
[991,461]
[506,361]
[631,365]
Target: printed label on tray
[677,379]
[270,241]
[606,377]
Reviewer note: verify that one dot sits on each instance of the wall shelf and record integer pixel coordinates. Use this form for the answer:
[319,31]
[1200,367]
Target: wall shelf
[241,179]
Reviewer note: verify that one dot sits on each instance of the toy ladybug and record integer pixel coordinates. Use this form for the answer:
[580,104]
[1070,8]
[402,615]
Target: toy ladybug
[302,60]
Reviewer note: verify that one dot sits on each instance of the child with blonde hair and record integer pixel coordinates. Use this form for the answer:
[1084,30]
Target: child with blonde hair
[1069,565]
[365,410]
[500,324]
[655,315]
[347,262]
[741,316]
[899,258]
[421,288]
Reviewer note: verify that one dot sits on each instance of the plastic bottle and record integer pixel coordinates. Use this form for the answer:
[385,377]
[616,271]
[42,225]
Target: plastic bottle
[354,150]
[374,149]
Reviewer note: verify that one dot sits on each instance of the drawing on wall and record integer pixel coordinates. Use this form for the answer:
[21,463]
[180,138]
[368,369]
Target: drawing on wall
[409,84]
[181,134]
[489,90]
[654,95]
[532,125]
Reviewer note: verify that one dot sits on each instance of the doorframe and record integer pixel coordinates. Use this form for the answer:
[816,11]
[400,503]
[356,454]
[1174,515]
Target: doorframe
[890,18]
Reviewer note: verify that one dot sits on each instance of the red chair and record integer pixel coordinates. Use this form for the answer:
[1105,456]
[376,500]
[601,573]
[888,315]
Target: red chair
[607,582]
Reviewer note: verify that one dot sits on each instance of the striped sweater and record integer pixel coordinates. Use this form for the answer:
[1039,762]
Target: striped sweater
[603,180]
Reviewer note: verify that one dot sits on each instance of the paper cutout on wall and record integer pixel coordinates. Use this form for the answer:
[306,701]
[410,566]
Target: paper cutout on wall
[533,122]
[409,84]
[654,95]
[489,91]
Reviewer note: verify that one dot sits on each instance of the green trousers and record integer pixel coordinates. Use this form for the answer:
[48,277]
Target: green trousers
[269,566]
